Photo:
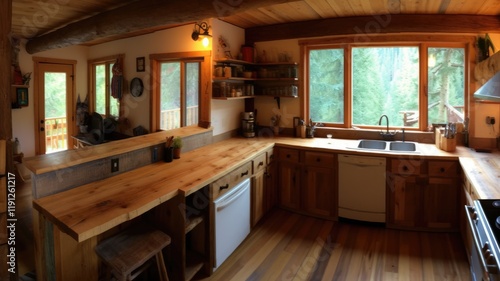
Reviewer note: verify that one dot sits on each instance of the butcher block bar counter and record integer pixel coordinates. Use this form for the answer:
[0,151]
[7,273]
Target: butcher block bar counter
[69,224]
[89,210]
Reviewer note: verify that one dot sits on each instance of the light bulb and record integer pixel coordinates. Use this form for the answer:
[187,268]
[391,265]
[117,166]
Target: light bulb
[205,42]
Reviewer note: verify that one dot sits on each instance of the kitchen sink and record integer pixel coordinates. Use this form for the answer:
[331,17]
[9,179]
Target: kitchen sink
[389,146]
[372,144]
[402,146]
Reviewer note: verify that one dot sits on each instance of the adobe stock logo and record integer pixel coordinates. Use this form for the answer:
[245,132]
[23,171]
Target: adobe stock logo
[47,9]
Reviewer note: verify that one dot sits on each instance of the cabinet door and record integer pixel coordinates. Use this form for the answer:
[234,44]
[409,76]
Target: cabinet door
[319,191]
[289,187]
[405,195]
[270,190]
[258,197]
[440,204]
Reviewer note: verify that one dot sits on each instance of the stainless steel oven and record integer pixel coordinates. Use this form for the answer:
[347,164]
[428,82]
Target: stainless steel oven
[482,220]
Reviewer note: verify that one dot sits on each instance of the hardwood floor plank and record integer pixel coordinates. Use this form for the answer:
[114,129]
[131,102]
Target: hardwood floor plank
[289,246]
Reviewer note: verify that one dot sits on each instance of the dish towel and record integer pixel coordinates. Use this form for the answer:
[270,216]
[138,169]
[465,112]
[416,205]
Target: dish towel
[117,80]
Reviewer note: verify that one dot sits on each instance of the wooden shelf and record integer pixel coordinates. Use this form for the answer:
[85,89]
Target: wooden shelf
[193,223]
[194,262]
[242,62]
[233,98]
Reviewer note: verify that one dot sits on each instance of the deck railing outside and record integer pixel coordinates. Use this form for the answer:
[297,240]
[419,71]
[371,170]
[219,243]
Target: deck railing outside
[170,119]
[56,134]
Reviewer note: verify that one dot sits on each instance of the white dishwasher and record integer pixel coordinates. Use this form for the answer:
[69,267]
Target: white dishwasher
[232,220]
[362,188]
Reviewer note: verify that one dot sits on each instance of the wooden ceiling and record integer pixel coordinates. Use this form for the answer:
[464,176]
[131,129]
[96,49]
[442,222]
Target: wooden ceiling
[32,19]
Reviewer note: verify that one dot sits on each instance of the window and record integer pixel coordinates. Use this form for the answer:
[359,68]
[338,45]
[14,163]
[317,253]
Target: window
[180,94]
[414,84]
[179,91]
[101,75]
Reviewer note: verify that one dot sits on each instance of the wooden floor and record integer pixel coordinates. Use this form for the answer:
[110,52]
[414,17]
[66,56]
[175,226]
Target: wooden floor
[288,246]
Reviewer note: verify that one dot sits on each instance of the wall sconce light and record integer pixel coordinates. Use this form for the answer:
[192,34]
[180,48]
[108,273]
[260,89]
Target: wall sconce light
[201,31]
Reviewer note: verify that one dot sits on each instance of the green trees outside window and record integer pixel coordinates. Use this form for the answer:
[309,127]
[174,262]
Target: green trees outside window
[386,80]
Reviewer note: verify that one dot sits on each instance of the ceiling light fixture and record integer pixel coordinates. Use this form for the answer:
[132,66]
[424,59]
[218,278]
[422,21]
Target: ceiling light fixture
[201,31]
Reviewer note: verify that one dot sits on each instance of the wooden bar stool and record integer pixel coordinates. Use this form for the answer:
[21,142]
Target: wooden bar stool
[130,252]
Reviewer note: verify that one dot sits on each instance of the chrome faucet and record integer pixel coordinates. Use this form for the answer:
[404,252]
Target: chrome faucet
[380,122]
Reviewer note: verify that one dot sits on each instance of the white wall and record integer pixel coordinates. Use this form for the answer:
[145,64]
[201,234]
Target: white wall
[226,114]
[266,106]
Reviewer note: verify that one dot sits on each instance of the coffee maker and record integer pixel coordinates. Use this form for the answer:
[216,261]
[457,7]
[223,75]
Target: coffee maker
[247,124]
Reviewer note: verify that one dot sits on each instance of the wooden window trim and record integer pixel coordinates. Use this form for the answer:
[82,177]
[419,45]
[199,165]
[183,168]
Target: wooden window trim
[91,80]
[205,59]
[422,41]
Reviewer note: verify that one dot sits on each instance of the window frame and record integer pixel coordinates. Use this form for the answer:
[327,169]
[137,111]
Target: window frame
[422,41]
[204,58]
[108,61]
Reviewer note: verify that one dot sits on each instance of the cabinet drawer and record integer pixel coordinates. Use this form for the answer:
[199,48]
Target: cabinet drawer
[443,168]
[259,163]
[230,180]
[319,159]
[406,166]
[241,173]
[288,154]
[220,186]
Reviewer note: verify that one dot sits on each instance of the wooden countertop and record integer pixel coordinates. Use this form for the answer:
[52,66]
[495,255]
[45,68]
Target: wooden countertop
[59,160]
[483,172]
[91,209]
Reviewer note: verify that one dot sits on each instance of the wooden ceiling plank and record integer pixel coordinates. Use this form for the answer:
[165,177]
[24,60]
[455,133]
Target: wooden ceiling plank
[380,7]
[490,7]
[322,8]
[342,8]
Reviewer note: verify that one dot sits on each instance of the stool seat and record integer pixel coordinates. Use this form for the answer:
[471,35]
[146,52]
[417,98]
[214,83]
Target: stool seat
[126,253]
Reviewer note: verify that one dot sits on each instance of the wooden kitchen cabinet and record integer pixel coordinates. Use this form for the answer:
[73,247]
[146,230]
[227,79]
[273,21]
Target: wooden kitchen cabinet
[423,195]
[263,186]
[320,192]
[289,175]
[307,182]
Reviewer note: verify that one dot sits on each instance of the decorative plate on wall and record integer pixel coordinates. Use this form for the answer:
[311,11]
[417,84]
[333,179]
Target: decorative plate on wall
[136,87]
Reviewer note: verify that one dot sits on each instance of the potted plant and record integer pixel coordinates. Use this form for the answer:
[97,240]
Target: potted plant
[177,145]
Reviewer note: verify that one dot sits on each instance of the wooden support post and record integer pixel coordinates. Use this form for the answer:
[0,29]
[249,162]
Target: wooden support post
[5,126]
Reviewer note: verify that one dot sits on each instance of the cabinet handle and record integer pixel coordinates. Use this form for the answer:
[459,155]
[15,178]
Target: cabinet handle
[224,186]
[442,170]
[405,168]
[288,156]
[318,159]
[260,164]
[244,174]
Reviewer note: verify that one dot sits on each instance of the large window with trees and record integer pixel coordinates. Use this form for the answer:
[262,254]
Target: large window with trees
[415,85]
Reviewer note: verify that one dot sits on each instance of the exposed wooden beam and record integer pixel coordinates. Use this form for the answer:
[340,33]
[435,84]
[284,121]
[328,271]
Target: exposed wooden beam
[376,24]
[141,15]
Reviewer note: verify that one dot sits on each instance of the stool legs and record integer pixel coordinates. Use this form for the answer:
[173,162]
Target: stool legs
[162,270]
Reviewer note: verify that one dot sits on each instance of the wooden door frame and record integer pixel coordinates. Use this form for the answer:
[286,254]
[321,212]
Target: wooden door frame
[70,102]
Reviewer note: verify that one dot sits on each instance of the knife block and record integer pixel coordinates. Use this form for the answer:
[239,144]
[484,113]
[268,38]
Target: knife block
[443,143]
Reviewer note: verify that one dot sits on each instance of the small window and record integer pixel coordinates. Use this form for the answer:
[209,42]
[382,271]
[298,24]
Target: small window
[103,102]
[179,94]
